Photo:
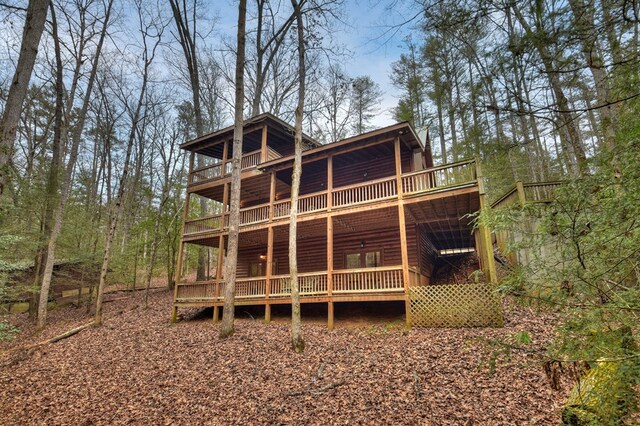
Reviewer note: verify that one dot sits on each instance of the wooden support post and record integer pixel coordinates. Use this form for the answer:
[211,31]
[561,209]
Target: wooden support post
[403,233]
[216,289]
[180,260]
[263,147]
[225,201]
[330,269]
[330,323]
[329,183]
[225,156]
[484,232]
[521,196]
[269,272]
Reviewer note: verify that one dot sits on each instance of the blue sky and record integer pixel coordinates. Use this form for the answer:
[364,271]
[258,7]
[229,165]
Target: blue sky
[366,33]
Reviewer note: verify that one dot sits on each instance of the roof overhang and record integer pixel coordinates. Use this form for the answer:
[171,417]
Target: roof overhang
[251,124]
[403,131]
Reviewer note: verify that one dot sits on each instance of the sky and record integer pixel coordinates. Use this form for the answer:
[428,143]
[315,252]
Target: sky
[368,34]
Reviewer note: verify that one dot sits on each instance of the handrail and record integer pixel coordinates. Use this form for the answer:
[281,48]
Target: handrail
[370,269]
[550,183]
[441,167]
[360,184]
[504,196]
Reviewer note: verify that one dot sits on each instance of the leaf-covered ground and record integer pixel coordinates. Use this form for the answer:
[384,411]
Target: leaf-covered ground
[140,369]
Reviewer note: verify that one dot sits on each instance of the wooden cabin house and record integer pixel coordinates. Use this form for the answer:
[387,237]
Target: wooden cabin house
[374,214]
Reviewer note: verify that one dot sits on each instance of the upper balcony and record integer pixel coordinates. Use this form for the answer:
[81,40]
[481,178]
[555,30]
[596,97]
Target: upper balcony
[222,168]
[412,184]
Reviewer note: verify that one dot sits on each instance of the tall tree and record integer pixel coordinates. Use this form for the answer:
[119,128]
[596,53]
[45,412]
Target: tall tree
[150,30]
[231,261]
[297,341]
[68,175]
[185,18]
[365,99]
[33,28]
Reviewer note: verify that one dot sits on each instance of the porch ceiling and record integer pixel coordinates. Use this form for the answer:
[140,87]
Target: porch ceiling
[445,219]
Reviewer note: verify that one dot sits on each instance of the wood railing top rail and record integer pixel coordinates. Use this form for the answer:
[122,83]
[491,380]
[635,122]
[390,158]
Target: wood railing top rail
[549,183]
[300,274]
[506,195]
[528,185]
[312,194]
[361,184]
[371,269]
[441,167]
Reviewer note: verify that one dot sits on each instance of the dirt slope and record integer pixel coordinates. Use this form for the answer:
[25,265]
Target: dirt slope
[140,369]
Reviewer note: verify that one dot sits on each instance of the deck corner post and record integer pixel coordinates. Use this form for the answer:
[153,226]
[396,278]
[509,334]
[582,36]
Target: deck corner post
[330,315]
[520,189]
[174,314]
[216,314]
[407,310]
[267,313]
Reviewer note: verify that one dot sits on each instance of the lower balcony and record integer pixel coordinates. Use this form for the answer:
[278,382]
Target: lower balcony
[353,284]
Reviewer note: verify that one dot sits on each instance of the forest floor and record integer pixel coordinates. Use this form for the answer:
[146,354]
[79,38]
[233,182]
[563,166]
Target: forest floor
[138,368]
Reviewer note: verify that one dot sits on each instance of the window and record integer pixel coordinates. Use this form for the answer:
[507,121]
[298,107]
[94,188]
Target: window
[363,259]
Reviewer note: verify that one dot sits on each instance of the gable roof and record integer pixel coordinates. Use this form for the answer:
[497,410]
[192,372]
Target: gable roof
[227,132]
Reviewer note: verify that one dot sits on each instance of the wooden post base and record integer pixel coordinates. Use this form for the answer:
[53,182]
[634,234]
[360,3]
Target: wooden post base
[267,313]
[330,324]
[174,314]
[407,314]
[216,314]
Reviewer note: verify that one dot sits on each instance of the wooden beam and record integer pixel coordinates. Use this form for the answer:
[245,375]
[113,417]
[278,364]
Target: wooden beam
[329,182]
[485,232]
[330,322]
[263,146]
[272,195]
[216,290]
[269,272]
[521,195]
[403,233]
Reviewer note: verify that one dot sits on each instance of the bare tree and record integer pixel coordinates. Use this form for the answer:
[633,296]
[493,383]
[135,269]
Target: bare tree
[185,18]
[231,261]
[33,28]
[297,341]
[68,176]
[149,30]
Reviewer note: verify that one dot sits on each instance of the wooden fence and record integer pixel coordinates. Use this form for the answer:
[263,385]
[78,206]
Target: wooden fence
[455,305]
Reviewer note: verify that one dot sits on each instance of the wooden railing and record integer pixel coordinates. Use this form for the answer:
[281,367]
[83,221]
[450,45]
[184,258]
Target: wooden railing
[509,197]
[309,284]
[254,214]
[441,177]
[346,281]
[434,179]
[540,192]
[215,171]
[199,290]
[205,224]
[368,280]
[534,192]
[306,204]
[365,192]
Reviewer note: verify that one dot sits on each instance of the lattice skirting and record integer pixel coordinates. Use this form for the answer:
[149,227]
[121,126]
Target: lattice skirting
[459,305]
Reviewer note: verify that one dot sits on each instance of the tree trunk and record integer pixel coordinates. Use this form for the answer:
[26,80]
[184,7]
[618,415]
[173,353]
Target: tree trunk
[297,341]
[226,328]
[66,186]
[568,126]
[118,207]
[53,180]
[33,28]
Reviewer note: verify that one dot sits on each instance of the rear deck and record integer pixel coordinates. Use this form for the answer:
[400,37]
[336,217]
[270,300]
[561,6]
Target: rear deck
[372,219]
